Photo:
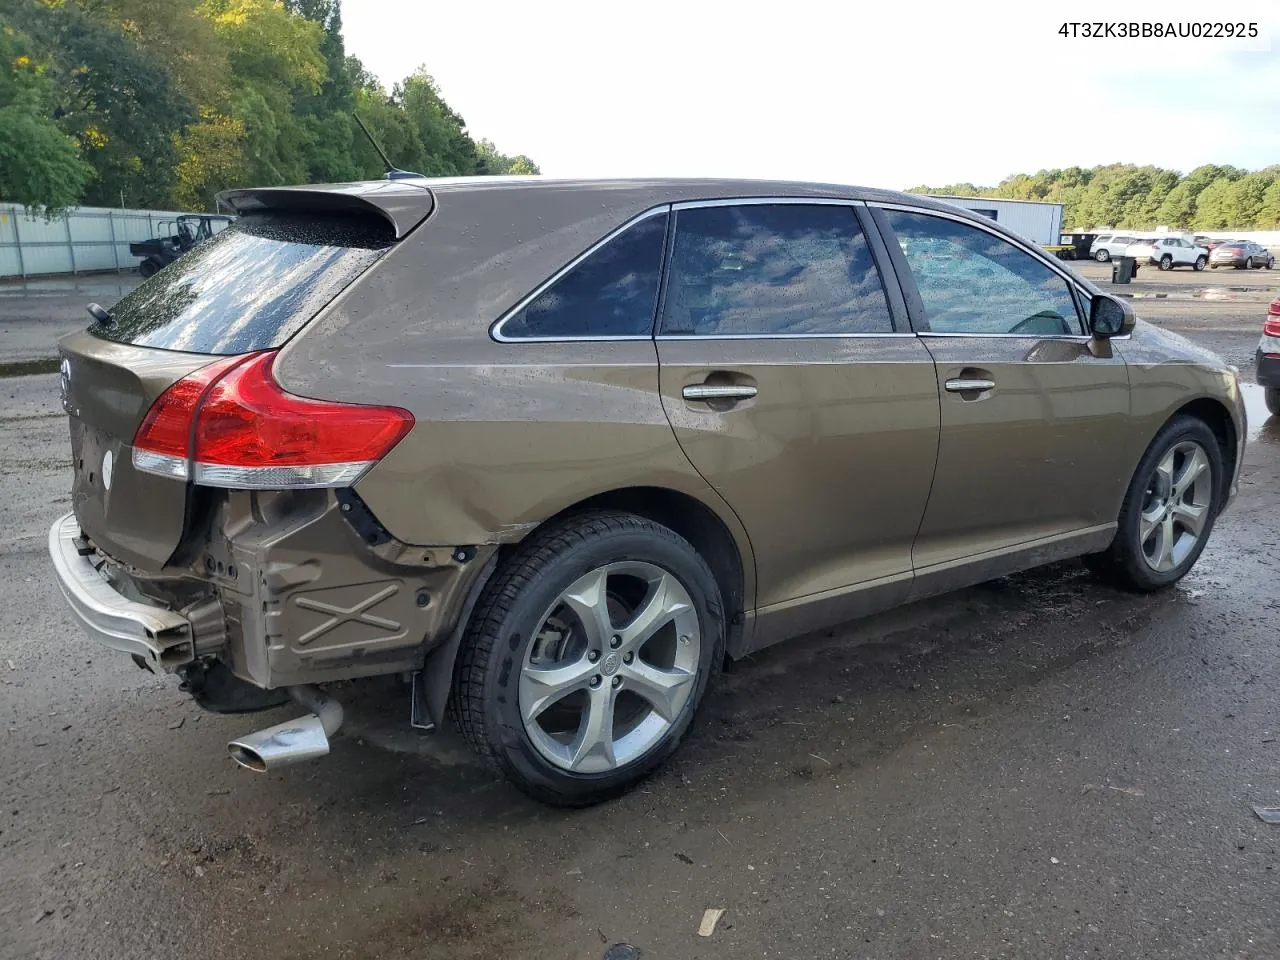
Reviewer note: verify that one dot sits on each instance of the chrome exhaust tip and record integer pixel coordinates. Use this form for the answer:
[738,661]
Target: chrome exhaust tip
[293,741]
[285,743]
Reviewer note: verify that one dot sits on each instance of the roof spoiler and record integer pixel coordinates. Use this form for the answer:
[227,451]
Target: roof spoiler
[402,203]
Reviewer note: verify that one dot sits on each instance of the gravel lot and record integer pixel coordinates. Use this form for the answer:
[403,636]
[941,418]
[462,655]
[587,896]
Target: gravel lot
[1036,767]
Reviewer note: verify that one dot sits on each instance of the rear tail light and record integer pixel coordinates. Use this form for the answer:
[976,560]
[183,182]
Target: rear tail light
[235,427]
[162,444]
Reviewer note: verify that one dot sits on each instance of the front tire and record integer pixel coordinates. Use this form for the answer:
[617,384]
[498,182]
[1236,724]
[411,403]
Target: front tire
[1168,510]
[1102,256]
[1200,262]
[587,656]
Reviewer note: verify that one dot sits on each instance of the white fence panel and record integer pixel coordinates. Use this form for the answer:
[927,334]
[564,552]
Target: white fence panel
[86,239]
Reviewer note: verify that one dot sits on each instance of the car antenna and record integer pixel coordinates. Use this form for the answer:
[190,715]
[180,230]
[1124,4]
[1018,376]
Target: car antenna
[393,173]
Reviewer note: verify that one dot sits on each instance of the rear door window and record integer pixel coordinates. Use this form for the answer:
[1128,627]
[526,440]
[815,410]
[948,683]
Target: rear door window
[252,286]
[772,270]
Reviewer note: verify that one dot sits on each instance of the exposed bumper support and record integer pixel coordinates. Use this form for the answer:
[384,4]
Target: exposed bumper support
[162,639]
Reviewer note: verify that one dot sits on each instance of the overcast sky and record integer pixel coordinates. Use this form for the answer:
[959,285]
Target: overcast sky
[882,94]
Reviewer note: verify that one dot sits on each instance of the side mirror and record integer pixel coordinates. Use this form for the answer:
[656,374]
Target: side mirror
[1109,317]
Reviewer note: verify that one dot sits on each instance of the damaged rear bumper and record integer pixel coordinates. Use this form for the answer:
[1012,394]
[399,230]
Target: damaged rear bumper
[162,639]
[281,589]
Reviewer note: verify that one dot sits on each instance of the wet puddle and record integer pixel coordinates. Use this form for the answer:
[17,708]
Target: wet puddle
[1262,426]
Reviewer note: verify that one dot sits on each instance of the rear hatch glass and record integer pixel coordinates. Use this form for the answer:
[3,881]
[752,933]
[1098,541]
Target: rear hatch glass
[252,286]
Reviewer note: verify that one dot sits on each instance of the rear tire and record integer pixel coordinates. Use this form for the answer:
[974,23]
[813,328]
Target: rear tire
[546,675]
[1166,262]
[1102,256]
[1272,395]
[1166,518]
[148,268]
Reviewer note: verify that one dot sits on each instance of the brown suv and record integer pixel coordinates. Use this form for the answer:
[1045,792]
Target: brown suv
[554,450]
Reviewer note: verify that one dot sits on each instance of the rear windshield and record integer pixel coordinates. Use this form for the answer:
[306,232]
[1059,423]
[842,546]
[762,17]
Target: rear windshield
[251,287]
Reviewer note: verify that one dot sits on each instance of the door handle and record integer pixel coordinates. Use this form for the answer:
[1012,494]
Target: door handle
[965,385]
[719,391]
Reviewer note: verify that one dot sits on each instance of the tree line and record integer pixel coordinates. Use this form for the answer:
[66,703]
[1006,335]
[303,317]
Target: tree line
[1210,197]
[162,103]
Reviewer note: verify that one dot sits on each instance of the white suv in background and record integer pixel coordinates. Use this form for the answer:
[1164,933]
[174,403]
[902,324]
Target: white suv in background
[1110,245]
[1170,252]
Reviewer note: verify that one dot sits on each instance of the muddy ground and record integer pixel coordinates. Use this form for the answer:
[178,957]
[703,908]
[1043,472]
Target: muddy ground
[1036,767]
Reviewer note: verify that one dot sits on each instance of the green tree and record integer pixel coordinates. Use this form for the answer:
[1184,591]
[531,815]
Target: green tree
[119,104]
[1269,212]
[327,114]
[494,163]
[1244,199]
[160,102]
[1178,208]
[450,151]
[40,166]
[1213,206]
[273,56]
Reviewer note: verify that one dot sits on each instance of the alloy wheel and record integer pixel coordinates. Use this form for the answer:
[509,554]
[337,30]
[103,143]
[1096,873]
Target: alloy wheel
[1176,507]
[611,667]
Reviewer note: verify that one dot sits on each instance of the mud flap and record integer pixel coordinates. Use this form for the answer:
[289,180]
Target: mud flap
[434,682]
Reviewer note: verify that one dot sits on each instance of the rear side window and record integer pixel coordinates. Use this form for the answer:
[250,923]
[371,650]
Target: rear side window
[771,270]
[613,292]
[251,287]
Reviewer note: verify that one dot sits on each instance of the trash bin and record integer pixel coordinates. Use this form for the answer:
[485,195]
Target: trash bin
[1122,269]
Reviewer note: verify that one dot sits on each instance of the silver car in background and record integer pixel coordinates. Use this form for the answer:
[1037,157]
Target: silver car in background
[1241,255]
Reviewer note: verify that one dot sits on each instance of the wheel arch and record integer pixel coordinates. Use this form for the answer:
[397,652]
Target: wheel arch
[1217,417]
[726,553]
[729,559]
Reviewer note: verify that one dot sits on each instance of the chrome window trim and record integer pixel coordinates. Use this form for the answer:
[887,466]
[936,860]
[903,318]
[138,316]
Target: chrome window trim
[1079,337]
[789,336]
[1039,255]
[495,329]
[769,201]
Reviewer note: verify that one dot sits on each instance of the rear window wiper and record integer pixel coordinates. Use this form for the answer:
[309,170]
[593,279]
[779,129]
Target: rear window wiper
[99,313]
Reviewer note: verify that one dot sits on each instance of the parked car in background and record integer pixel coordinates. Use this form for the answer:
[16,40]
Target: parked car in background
[1111,245]
[1242,255]
[1168,252]
[1268,358]
[450,431]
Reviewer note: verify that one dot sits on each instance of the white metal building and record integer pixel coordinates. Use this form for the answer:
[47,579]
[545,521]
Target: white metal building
[1035,220]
